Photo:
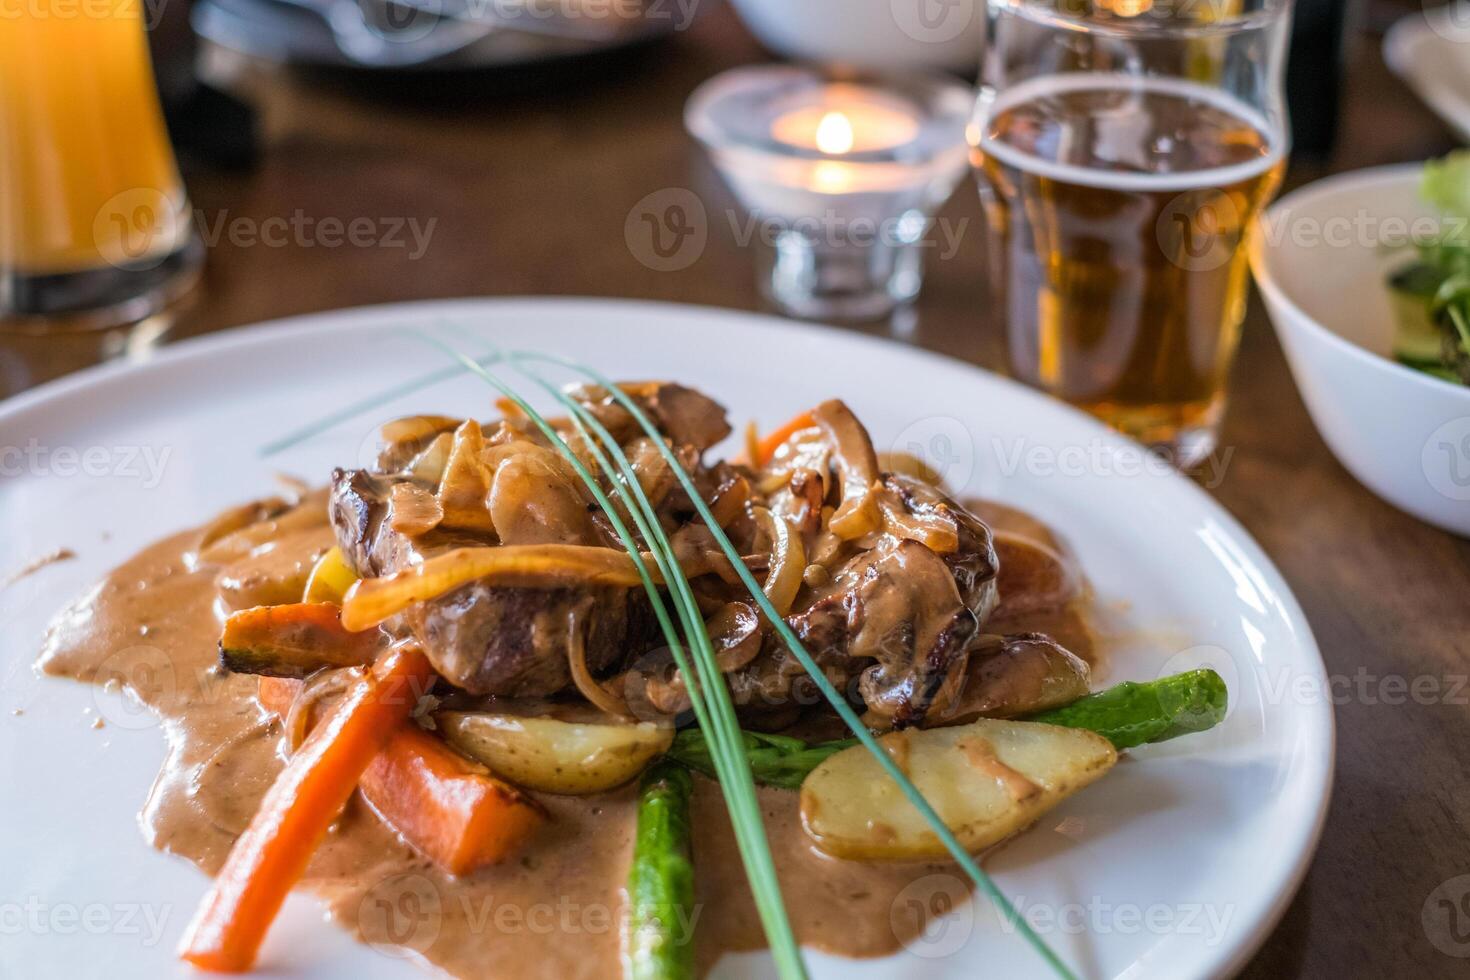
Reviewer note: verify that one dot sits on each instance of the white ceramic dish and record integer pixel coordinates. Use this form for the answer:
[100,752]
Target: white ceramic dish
[1175,866]
[871,34]
[1428,50]
[1320,259]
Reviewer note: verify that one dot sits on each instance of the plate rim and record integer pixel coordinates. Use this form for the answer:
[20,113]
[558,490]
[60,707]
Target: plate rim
[1318,717]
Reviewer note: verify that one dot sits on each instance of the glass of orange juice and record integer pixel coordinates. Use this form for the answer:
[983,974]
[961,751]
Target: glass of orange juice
[93,217]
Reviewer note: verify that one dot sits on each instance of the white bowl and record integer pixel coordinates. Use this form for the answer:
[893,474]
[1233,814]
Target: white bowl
[873,34]
[1427,50]
[1320,261]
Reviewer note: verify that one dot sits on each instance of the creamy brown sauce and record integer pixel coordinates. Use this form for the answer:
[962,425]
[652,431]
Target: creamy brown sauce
[151,626]
[33,566]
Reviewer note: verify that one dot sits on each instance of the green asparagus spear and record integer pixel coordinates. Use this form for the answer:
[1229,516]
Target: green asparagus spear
[1131,714]
[660,942]
[1127,714]
[775,760]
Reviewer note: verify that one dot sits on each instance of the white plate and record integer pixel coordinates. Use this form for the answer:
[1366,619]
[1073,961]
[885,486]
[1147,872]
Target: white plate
[1176,865]
[1428,51]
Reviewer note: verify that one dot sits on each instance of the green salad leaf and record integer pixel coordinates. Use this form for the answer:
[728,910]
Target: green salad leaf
[1446,183]
[1431,295]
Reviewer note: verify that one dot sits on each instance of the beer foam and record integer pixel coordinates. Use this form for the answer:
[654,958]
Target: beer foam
[1119,180]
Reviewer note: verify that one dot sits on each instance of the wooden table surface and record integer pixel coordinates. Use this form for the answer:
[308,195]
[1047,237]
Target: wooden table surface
[530,194]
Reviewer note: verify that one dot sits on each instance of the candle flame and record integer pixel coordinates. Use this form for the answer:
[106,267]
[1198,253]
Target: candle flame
[834,133]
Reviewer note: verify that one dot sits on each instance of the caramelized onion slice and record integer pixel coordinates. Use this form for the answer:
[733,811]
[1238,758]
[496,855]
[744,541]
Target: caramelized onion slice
[317,688]
[466,482]
[587,685]
[935,529]
[429,465]
[539,566]
[788,561]
[729,499]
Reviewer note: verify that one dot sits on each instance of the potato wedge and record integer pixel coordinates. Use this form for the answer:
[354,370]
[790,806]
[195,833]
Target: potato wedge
[330,578]
[988,780]
[570,758]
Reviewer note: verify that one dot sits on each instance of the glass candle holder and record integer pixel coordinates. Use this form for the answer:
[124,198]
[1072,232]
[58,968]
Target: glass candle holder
[841,176]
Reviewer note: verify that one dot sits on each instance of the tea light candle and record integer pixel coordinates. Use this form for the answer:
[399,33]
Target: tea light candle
[842,175]
[844,119]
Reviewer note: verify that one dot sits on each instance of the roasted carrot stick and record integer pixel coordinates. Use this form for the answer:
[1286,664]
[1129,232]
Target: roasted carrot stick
[272,854]
[293,640]
[448,808]
[772,440]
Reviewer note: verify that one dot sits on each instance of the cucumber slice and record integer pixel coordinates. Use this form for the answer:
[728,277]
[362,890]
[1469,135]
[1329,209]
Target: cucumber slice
[1416,279]
[1416,339]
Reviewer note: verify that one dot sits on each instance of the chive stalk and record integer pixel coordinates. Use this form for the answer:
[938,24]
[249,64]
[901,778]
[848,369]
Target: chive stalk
[721,747]
[839,704]
[716,718]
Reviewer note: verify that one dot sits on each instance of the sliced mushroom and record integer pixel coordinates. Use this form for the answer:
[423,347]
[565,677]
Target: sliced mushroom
[857,513]
[1034,578]
[413,510]
[536,498]
[1019,675]
[735,633]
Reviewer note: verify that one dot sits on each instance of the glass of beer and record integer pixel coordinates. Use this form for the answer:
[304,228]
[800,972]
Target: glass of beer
[1123,149]
[94,223]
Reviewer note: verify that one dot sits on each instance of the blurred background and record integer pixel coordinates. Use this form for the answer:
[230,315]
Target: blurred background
[175,168]
[348,152]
